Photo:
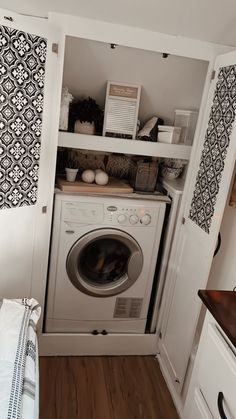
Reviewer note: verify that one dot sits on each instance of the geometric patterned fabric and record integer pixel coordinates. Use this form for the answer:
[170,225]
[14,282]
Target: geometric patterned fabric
[215,147]
[22,73]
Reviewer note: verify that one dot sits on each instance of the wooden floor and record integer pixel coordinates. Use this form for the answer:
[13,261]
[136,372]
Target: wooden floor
[125,387]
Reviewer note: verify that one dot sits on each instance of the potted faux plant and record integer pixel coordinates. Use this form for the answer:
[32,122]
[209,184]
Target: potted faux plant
[86,116]
[71,170]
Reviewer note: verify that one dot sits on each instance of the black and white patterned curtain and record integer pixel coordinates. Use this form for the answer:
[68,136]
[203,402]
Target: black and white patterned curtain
[22,73]
[215,149]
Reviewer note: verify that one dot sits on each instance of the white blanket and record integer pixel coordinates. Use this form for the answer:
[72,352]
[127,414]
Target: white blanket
[18,359]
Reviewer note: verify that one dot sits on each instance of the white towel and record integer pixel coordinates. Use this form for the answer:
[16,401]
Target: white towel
[19,359]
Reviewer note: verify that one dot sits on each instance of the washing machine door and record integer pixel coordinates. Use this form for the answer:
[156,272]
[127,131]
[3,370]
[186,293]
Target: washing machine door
[104,262]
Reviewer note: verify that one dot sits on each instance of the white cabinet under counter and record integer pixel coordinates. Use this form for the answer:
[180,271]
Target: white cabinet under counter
[212,387]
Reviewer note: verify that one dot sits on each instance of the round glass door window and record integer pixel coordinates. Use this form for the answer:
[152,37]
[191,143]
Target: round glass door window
[104,262]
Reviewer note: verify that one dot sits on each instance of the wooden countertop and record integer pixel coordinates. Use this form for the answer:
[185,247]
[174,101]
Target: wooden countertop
[222,305]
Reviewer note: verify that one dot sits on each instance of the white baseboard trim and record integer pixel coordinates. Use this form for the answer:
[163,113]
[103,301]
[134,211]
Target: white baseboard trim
[87,345]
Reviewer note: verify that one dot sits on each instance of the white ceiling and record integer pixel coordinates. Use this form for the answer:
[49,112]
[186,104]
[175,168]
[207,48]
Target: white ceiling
[208,20]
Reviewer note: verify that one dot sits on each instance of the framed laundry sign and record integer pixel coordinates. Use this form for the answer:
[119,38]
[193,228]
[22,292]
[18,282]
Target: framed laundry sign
[121,110]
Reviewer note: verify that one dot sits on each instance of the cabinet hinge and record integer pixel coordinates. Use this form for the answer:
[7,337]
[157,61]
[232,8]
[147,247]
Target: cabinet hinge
[55,48]
[8,18]
[44,209]
[160,335]
[183,220]
[213,74]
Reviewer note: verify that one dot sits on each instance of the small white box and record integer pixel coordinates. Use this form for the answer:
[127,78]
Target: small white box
[168,134]
[187,120]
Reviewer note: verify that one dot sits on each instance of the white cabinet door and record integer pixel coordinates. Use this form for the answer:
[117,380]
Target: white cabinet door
[217,374]
[27,146]
[194,242]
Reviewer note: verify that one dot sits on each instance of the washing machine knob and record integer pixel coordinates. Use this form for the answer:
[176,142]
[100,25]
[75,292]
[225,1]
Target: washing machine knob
[133,219]
[121,218]
[146,219]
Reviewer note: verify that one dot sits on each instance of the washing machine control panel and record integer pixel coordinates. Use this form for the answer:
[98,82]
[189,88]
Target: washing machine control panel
[109,214]
[130,216]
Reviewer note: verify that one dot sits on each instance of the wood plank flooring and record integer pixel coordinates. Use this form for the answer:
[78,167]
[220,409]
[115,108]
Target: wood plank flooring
[125,387]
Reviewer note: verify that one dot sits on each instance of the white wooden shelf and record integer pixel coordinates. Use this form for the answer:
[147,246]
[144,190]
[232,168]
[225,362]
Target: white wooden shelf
[119,145]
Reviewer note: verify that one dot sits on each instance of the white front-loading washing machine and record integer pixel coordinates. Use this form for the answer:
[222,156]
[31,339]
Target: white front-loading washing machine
[102,263]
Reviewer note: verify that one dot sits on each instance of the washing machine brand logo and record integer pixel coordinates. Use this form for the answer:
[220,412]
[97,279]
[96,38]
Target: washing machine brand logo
[112,208]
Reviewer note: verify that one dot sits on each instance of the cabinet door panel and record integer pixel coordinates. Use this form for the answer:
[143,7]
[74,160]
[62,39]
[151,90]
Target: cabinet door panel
[204,199]
[217,374]
[26,69]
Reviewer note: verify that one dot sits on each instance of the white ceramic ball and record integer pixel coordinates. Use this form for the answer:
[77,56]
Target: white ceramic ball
[101,178]
[97,171]
[88,176]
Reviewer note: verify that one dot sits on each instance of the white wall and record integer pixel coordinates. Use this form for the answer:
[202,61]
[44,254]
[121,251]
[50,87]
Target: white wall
[167,84]
[209,20]
[223,270]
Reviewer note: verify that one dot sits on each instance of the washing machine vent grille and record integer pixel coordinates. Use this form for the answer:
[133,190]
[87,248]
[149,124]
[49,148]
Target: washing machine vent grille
[128,308]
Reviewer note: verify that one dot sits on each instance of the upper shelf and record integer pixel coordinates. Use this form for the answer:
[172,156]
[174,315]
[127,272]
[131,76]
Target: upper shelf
[120,145]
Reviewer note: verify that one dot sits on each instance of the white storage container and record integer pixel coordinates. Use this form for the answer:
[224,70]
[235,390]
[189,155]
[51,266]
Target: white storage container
[168,134]
[187,120]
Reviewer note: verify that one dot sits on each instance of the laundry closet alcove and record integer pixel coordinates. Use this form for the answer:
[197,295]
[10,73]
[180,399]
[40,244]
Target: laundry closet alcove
[32,224]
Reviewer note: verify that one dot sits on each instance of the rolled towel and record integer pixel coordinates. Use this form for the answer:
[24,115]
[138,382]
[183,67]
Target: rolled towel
[150,130]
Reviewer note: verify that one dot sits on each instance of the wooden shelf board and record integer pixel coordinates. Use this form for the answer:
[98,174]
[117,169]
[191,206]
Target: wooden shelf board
[119,145]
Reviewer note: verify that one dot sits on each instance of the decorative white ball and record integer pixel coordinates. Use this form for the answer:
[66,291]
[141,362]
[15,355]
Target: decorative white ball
[97,171]
[101,178]
[88,176]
